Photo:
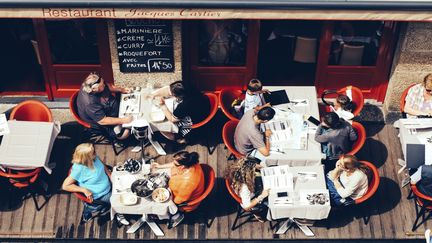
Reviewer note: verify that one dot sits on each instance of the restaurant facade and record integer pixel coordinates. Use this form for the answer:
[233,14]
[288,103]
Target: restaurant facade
[49,50]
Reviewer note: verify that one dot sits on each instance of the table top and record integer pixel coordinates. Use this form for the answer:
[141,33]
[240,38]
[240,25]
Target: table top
[28,144]
[414,131]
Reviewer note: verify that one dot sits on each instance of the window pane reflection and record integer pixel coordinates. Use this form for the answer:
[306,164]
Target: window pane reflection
[73,41]
[355,43]
[222,42]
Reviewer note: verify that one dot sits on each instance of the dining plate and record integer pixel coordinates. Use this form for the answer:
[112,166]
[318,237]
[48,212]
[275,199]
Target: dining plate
[161,195]
[128,199]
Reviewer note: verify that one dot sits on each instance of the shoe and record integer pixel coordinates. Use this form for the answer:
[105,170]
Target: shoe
[136,149]
[121,219]
[177,221]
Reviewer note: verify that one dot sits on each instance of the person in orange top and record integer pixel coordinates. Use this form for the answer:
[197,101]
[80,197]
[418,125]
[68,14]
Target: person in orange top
[186,182]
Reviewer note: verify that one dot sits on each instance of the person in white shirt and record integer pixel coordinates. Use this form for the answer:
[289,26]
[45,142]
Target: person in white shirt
[253,98]
[343,107]
[348,181]
[242,177]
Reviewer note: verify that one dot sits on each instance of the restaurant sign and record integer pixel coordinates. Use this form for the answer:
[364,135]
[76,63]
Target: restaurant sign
[192,13]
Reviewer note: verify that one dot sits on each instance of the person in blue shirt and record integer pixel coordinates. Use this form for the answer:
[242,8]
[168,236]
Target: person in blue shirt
[90,177]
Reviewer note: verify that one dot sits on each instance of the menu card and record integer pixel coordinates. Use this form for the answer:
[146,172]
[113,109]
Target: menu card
[289,131]
[277,177]
[4,128]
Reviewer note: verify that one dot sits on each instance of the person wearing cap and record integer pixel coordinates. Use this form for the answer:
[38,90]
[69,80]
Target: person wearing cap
[97,106]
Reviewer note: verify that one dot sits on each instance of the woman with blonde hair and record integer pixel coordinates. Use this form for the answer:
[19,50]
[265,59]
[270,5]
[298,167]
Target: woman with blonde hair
[348,181]
[242,176]
[89,176]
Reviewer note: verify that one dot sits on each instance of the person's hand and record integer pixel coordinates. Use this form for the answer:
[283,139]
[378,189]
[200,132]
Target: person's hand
[268,133]
[265,91]
[88,194]
[154,166]
[126,90]
[265,193]
[127,119]
[323,124]
[266,105]
[161,101]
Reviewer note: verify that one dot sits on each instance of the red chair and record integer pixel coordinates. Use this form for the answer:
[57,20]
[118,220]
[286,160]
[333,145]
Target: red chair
[228,131]
[26,179]
[357,98]
[209,178]
[422,204]
[361,138]
[96,134]
[226,97]
[241,213]
[31,110]
[213,99]
[403,100]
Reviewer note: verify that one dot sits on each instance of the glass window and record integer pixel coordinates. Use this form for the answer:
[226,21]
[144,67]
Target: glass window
[73,41]
[222,42]
[355,43]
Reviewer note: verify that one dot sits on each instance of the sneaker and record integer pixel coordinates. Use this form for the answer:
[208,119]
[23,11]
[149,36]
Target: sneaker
[136,149]
[121,219]
[177,220]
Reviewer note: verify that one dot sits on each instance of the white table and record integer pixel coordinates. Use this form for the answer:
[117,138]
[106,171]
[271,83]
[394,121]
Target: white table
[302,186]
[143,207]
[414,131]
[28,145]
[296,157]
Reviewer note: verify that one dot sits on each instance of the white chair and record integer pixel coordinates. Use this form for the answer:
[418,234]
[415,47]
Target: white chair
[351,55]
[305,50]
[36,50]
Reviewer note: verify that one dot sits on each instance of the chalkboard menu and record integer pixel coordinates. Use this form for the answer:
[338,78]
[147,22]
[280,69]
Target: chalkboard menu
[145,45]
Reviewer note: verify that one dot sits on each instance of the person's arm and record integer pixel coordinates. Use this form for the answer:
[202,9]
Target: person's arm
[162,92]
[411,111]
[69,184]
[249,204]
[320,137]
[115,120]
[266,150]
[259,107]
[351,185]
[352,134]
[163,166]
[115,89]
[416,177]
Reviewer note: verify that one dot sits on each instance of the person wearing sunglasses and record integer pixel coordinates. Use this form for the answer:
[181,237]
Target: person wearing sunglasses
[97,106]
[418,101]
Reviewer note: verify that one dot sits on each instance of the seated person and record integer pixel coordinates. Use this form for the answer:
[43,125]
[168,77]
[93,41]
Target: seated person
[97,106]
[190,107]
[253,98]
[186,182]
[335,135]
[248,138]
[423,179]
[90,177]
[343,107]
[348,181]
[241,174]
[418,101]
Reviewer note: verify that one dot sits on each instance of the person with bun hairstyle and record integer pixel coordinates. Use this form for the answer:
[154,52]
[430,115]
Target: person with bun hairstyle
[186,182]
[343,107]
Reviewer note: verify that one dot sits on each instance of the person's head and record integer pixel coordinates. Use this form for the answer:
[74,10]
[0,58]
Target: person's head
[94,83]
[427,83]
[178,89]
[242,172]
[350,163]
[84,154]
[185,159]
[332,120]
[343,101]
[265,114]
[254,85]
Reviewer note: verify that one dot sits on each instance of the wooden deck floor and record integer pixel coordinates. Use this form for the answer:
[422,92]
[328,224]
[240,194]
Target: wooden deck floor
[392,214]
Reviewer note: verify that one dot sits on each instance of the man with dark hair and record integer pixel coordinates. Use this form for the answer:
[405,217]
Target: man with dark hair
[248,138]
[335,135]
